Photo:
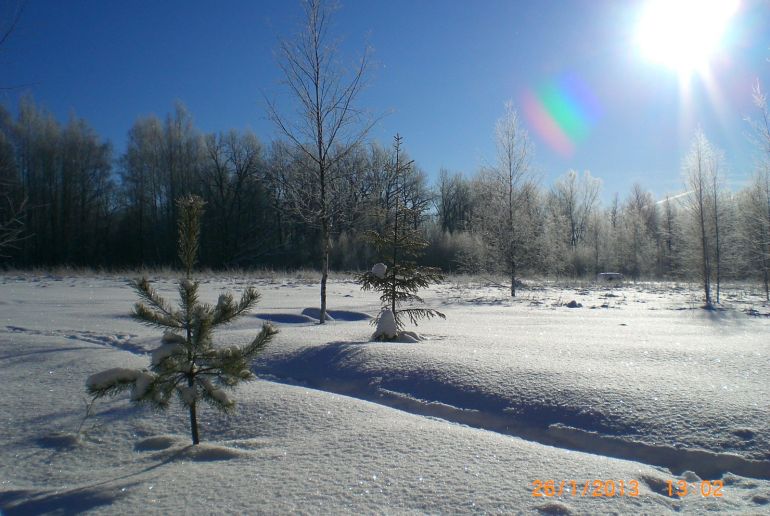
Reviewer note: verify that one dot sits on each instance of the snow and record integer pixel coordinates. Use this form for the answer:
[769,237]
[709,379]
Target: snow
[216,393]
[141,384]
[379,270]
[650,387]
[112,376]
[162,352]
[386,326]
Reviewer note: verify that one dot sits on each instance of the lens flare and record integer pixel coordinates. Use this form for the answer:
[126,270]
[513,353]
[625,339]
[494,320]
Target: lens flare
[561,112]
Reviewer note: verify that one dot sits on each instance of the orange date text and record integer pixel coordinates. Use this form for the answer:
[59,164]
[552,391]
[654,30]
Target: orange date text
[594,488]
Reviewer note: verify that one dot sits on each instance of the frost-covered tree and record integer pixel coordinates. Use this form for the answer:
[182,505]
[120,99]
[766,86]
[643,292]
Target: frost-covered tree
[502,220]
[399,279]
[187,365]
[701,173]
[638,238]
[326,126]
[756,230]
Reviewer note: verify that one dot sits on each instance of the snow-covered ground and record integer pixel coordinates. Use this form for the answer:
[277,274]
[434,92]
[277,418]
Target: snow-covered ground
[638,385]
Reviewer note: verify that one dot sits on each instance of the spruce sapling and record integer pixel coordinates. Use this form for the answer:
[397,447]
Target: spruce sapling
[187,364]
[401,278]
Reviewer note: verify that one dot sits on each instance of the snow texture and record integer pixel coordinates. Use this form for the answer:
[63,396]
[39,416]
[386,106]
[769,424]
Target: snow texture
[650,387]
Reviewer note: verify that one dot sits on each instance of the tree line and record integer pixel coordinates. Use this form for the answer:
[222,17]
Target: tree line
[87,207]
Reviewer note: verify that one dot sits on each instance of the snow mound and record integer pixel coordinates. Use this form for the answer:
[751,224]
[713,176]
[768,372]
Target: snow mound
[348,315]
[387,330]
[407,337]
[379,270]
[159,442]
[211,452]
[111,376]
[386,326]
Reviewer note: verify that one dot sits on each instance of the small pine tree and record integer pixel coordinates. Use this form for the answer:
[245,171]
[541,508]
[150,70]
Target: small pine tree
[400,278]
[187,364]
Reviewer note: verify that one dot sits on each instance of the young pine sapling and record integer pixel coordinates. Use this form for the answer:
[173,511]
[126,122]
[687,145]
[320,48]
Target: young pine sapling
[187,365]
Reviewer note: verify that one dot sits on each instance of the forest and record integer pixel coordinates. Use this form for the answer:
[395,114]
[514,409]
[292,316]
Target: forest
[69,200]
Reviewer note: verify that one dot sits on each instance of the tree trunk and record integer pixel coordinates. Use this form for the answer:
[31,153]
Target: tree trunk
[716,235]
[704,238]
[324,270]
[193,416]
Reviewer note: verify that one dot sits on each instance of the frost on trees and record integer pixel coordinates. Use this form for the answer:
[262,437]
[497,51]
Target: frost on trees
[399,280]
[187,365]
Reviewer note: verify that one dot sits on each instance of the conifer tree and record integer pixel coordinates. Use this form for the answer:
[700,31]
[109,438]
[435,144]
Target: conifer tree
[187,365]
[399,279]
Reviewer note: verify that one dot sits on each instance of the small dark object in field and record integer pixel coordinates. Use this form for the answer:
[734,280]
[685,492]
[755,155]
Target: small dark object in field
[744,433]
[609,276]
[573,304]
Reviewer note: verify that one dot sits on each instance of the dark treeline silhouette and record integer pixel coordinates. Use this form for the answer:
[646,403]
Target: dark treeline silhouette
[88,207]
[85,206]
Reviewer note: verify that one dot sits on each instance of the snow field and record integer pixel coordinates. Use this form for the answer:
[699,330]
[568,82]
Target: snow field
[294,449]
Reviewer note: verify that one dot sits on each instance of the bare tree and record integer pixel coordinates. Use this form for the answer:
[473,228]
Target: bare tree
[638,238]
[12,210]
[670,236]
[11,219]
[755,225]
[327,125]
[571,202]
[757,229]
[230,180]
[453,201]
[715,186]
[696,172]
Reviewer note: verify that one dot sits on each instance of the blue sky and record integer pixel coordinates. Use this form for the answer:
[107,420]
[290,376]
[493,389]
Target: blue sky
[444,70]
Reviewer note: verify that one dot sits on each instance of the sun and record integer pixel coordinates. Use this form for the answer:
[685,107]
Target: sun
[683,35]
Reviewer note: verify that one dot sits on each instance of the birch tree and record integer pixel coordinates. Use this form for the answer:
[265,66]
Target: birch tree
[504,225]
[696,176]
[326,124]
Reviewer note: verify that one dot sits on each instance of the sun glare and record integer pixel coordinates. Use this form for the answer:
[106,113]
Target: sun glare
[683,34]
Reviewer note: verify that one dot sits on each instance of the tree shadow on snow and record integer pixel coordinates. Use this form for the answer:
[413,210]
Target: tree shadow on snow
[286,318]
[337,315]
[716,314]
[43,351]
[333,360]
[73,501]
[312,316]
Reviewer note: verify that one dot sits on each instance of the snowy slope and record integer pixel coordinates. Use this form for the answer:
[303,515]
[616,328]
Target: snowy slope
[492,364]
